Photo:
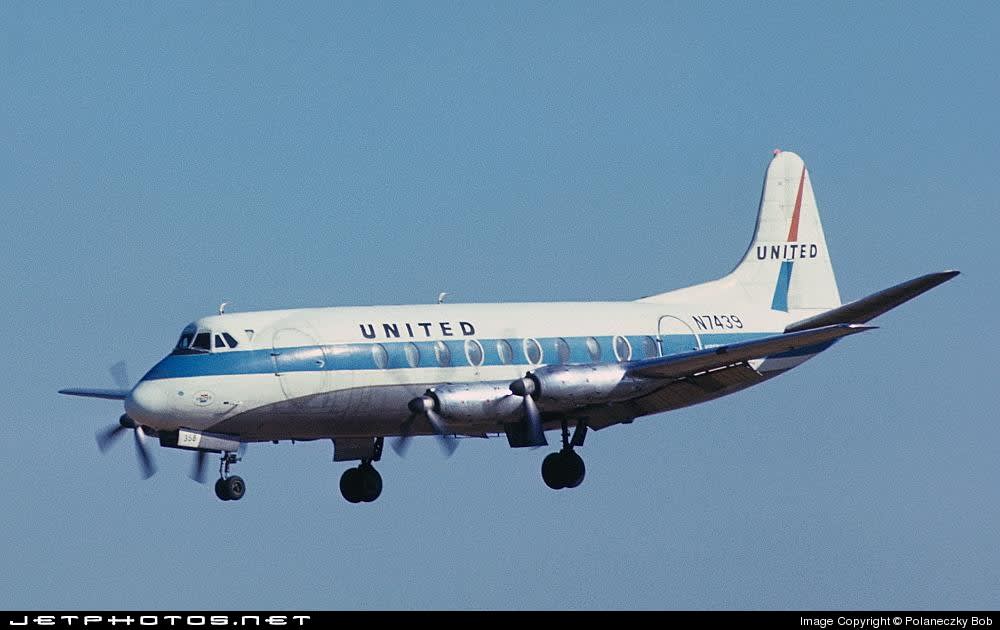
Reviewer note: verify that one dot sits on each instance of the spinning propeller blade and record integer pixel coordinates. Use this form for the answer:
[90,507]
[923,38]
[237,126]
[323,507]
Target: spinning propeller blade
[425,406]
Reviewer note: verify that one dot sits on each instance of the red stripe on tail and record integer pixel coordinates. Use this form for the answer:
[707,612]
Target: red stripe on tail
[793,231]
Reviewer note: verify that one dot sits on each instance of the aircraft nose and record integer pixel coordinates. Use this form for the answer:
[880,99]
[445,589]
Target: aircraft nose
[145,403]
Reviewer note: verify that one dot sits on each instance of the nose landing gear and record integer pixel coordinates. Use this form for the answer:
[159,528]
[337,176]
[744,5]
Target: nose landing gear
[229,488]
[565,469]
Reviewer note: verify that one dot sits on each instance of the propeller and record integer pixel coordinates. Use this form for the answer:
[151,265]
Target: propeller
[120,375]
[198,470]
[525,387]
[425,406]
[107,437]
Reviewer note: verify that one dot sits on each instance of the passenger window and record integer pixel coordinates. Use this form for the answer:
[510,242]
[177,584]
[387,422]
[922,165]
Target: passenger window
[380,356]
[594,349]
[623,349]
[562,350]
[412,355]
[442,353]
[505,351]
[219,343]
[202,341]
[474,352]
[533,351]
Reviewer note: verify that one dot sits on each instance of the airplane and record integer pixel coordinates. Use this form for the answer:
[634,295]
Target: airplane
[358,375]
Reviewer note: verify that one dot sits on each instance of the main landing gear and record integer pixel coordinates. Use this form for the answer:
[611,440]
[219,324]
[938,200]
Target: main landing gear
[361,484]
[565,469]
[229,488]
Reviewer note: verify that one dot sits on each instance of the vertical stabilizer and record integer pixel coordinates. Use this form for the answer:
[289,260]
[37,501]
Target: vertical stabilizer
[788,262]
[787,266]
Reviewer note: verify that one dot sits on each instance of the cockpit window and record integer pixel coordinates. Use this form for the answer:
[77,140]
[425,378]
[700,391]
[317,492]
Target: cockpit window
[219,343]
[186,338]
[230,340]
[202,341]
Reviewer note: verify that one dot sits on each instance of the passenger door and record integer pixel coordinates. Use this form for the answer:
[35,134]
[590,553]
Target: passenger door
[300,365]
[674,335]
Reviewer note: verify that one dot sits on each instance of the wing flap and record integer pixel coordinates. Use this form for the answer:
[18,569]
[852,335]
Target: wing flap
[690,363]
[107,394]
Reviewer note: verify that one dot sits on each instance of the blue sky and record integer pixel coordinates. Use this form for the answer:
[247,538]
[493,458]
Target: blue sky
[159,160]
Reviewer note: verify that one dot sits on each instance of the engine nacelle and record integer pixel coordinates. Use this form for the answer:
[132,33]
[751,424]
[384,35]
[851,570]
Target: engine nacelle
[475,402]
[568,386]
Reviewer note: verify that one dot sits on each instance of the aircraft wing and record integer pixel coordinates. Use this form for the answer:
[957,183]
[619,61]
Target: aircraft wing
[868,308]
[107,394]
[690,363]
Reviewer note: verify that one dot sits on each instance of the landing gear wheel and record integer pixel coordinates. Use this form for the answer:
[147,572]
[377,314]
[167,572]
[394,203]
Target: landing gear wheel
[371,483]
[235,488]
[230,488]
[552,471]
[564,469]
[350,485]
[361,484]
[573,468]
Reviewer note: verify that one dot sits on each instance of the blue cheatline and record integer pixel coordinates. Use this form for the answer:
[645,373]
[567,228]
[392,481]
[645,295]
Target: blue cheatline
[358,356]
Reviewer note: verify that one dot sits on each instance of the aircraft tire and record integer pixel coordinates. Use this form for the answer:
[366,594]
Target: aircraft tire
[350,485]
[220,489]
[573,468]
[552,471]
[235,488]
[370,485]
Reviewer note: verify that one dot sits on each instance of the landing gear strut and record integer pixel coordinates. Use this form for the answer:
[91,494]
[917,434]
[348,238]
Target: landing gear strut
[361,484]
[229,488]
[565,469]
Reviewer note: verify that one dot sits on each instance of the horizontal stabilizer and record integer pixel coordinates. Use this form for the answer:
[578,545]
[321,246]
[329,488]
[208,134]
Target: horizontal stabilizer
[868,308]
[688,363]
[107,394]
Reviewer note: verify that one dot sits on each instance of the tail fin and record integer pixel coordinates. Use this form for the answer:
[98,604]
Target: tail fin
[788,261]
[787,265]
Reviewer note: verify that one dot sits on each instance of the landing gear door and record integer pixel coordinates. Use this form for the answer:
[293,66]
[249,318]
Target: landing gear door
[674,336]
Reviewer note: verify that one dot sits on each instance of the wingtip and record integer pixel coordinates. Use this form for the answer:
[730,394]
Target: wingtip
[940,277]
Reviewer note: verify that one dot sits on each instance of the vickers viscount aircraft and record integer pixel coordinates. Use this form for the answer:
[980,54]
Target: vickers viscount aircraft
[357,375]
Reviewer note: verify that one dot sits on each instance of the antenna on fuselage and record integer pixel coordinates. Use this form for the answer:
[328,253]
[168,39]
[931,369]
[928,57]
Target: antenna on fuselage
[222,307]
[442,296]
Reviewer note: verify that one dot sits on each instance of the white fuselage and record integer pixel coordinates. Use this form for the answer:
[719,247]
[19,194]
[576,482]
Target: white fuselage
[330,372]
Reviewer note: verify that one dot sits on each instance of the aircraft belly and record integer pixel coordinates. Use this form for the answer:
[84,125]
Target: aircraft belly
[354,412]
[380,409]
